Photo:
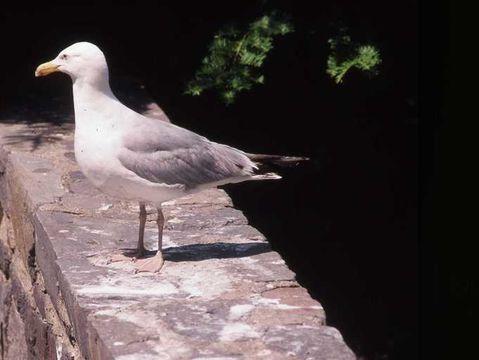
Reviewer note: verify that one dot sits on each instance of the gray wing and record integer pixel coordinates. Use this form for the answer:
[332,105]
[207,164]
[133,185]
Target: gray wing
[165,153]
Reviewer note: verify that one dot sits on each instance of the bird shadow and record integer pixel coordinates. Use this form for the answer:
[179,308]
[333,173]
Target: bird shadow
[198,252]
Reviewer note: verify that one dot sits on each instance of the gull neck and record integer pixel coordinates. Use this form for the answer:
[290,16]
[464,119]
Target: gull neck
[91,96]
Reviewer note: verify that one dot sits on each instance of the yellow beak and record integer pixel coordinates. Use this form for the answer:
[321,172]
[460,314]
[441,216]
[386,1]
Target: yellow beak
[46,68]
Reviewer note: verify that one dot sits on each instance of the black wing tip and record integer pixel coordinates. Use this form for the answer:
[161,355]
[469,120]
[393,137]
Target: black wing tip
[294,158]
[289,160]
[279,160]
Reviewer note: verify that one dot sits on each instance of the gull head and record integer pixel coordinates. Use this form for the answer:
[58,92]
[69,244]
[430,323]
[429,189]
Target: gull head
[83,61]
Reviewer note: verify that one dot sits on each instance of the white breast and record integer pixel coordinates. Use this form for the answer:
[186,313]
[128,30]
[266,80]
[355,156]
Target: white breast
[96,147]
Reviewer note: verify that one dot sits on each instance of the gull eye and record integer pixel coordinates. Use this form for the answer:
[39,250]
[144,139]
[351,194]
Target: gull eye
[64,56]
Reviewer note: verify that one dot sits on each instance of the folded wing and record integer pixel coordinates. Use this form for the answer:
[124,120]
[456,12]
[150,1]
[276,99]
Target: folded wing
[169,154]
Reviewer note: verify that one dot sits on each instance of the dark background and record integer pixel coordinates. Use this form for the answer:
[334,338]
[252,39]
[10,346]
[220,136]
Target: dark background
[346,222]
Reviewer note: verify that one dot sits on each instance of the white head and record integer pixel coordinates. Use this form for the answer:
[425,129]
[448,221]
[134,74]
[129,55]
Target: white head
[83,61]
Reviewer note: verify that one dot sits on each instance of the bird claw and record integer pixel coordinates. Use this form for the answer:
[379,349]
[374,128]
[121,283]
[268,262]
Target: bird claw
[120,258]
[152,264]
[129,255]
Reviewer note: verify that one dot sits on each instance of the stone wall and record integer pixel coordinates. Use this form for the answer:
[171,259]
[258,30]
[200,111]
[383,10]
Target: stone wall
[222,294]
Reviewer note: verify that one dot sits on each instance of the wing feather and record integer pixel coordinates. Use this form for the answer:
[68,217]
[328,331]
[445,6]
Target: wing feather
[173,155]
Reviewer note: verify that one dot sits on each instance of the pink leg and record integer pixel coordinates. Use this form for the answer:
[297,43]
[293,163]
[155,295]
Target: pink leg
[140,248]
[155,263]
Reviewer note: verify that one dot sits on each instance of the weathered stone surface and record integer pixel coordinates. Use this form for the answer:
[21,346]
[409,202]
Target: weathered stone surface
[222,294]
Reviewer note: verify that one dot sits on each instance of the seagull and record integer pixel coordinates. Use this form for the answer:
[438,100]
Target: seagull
[133,157]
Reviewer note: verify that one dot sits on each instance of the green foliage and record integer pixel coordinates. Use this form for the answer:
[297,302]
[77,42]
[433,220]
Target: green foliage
[235,57]
[345,55]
